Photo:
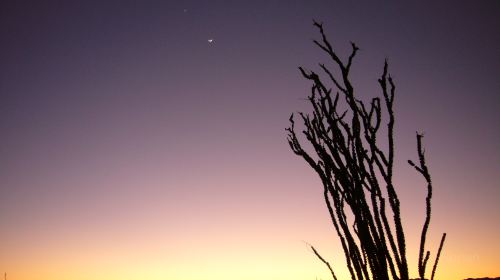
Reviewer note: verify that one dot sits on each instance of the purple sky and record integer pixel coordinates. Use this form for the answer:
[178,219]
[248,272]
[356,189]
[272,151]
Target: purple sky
[121,119]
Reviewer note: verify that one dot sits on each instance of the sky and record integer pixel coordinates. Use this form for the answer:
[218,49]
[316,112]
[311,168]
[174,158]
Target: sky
[133,148]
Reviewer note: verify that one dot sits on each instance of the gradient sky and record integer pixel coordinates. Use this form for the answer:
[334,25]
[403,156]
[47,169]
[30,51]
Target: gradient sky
[132,148]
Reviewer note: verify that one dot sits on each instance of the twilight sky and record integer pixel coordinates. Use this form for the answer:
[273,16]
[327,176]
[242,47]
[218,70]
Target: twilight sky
[132,148]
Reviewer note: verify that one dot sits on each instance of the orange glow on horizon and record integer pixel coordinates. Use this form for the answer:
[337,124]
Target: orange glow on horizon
[276,253]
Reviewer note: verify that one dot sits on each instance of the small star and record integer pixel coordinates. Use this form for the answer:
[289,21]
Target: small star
[211,40]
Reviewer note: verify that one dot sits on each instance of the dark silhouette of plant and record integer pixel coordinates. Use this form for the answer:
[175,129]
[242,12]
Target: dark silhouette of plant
[357,173]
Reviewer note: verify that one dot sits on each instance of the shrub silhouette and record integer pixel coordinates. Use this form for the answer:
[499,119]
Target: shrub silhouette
[357,172]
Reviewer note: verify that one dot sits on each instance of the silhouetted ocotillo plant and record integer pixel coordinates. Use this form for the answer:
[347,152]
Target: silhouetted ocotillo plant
[357,172]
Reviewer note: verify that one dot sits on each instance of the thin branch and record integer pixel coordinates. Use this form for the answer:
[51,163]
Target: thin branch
[324,261]
[437,256]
